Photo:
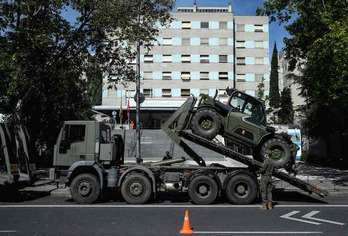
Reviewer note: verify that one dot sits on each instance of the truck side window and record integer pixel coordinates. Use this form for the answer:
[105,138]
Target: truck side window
[77,133]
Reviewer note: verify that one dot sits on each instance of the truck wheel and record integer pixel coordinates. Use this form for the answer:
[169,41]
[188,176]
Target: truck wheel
[136,189]
[203,190]
[85,188]
[281,153]
[206,123]
[241,189]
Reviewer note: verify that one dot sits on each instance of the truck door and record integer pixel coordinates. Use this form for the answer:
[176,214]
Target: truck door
[73,144]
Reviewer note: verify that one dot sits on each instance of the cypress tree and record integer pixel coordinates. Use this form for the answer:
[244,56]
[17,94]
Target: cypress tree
[274,97]
[286,114]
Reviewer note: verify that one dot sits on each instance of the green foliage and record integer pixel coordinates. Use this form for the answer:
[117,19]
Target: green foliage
[286,114]
[274,97]
[318,47]
[261,89]
[43,56]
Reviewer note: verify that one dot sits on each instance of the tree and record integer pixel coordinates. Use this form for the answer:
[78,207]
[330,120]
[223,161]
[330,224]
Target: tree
[261,89]
[318,47]
[43,56]
[274,97]
[286,114]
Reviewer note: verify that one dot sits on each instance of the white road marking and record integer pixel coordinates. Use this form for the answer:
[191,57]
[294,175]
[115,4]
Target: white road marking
[312,213]
[288,217]
[167,206]
[257,232]
[8,231]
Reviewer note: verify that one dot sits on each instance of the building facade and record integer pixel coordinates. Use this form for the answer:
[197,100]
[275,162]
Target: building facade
[204,50]
[297,99]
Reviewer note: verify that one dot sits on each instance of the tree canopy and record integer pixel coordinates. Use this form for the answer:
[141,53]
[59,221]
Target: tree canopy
[44,55]
[318,47]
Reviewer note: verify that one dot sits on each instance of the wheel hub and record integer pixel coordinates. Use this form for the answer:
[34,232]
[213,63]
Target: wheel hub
[84,188]
[136,189]
[241,189]
[206,124]
[203,190]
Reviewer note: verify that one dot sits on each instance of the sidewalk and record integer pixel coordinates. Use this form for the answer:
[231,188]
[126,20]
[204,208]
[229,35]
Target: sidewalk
[326,178]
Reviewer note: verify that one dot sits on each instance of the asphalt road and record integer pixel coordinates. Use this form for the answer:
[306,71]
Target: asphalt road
[42,213]
[168,219]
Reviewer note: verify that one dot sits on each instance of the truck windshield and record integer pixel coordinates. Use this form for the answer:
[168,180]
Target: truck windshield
[249,106]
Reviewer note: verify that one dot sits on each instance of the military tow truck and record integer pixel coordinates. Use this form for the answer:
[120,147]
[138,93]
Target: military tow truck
[89,160]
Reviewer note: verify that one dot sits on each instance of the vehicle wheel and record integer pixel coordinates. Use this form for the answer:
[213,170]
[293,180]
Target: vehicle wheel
[136,189]
[85,188]
[281,153]
[206,123]
[241,189]
[203,190]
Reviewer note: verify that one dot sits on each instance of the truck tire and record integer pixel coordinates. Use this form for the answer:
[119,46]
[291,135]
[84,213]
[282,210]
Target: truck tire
[203,190]
[281,151]
[85,188]
[241,189]
[136,189]
[206,123]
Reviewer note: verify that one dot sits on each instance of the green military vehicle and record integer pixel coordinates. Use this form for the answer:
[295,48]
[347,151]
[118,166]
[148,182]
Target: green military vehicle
[242,122]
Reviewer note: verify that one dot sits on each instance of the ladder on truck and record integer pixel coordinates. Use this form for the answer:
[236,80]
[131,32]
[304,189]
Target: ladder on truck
[175,126]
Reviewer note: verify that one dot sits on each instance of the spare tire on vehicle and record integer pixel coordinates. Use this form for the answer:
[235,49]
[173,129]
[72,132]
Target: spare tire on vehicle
[206,123]
[281,151]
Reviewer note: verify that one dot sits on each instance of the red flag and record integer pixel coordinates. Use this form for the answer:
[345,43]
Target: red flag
[128,108]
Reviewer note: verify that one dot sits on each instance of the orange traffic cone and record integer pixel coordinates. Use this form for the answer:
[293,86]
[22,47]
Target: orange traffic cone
[186,228]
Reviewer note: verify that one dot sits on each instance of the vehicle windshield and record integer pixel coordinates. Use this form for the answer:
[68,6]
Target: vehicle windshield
[249,106]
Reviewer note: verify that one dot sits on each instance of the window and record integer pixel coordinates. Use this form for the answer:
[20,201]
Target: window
[167,42]
[222,93]
[148,93]
[185,58]
[204,41]
[77,133]
[166,93]
[185,93]
[148,58]
[204,58]
[186,25]
[240,44]
[258,44]
[167,58]
[223,41]
[147,75]
[204,91]
[258,77]
[167,75]
[185,41]
[258,28]
[258,60]
[204,75]
[240,28]
[240,60]
[223,58]
[185,76]
[223,24]
[240,77]
[223,75]
[204,25]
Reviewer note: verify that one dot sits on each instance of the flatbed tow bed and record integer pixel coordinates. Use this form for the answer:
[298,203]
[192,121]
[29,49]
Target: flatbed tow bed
[175,129]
